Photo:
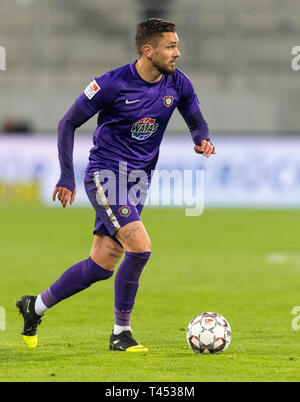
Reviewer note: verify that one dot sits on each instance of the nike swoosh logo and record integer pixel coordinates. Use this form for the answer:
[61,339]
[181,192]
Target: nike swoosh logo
[134,101]
[27,306]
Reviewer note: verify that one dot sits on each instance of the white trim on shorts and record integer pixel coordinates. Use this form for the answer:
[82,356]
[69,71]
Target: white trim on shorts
[105,203]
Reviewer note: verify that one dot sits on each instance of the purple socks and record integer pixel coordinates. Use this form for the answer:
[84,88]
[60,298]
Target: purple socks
[83,274]
[126,285]
[77,278]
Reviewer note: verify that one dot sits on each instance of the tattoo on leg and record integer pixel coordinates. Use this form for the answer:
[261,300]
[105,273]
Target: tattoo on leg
[115,252]
[131,232]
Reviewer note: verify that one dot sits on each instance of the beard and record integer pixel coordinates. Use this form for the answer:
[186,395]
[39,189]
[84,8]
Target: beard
[162,69]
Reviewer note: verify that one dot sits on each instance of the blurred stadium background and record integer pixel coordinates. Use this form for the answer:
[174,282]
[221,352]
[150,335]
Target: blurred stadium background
[237,53]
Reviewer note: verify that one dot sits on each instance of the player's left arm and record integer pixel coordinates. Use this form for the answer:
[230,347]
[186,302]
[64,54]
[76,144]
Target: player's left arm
[200,134]
[188,107]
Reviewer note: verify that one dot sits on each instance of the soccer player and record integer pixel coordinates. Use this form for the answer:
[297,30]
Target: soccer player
[134,104]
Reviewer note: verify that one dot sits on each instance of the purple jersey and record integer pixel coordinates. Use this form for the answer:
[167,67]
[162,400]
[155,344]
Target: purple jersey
[133,115]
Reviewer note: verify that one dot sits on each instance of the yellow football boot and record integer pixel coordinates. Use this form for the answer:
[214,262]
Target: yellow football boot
[31,341]
[125,342]
[31,320]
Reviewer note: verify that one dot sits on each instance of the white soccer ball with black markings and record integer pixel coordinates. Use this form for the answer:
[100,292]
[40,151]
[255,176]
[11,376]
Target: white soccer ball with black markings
[208,333]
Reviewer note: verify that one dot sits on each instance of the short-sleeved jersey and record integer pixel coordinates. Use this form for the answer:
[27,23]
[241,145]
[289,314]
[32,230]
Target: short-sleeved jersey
[133,115]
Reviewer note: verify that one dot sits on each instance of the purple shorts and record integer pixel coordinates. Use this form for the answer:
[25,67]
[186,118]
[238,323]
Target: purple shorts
[116,201]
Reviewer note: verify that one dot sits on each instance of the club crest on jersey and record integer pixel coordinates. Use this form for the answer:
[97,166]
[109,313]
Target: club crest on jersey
[143,128]
[168,100]
[125,211]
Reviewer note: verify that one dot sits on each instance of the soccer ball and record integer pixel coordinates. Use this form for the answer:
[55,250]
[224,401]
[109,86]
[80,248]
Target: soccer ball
[208,333]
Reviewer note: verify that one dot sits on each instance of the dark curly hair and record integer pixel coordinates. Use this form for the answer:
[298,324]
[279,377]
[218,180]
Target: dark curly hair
[150,31]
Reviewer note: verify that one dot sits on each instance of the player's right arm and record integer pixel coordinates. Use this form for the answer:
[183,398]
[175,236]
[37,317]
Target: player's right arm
[85,106]
[189,108]
[65,188]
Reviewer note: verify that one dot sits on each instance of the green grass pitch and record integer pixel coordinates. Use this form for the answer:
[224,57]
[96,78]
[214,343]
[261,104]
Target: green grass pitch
[222,261]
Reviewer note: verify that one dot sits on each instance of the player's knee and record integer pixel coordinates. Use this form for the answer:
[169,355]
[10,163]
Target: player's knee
[147,247]
[108,262]
[137,262]
[106,253]
[142,247]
